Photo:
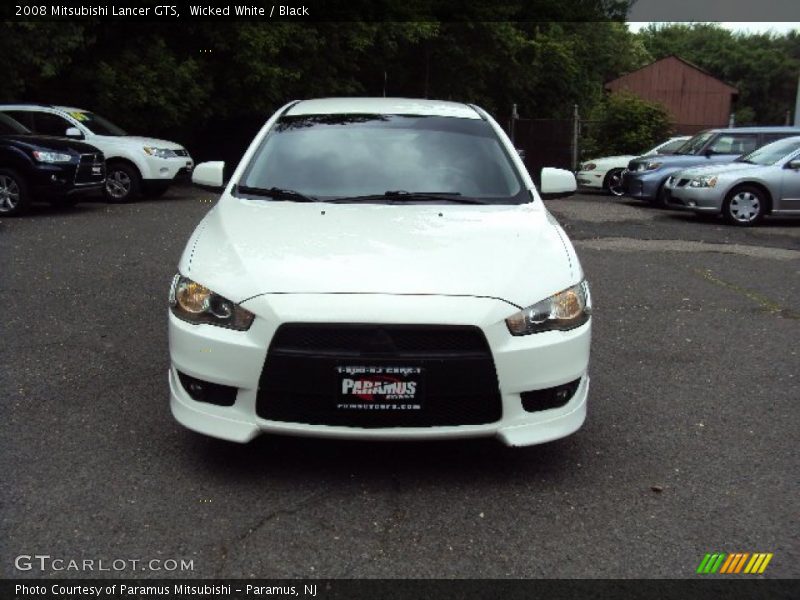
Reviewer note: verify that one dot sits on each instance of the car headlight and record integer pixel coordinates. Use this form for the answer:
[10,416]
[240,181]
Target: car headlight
[705,181]
[197,304]
[562,311]
[651,166]
[588,167]
[159,152]
[51,157]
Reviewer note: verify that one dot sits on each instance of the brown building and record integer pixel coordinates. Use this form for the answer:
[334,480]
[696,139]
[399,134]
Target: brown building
[695,99]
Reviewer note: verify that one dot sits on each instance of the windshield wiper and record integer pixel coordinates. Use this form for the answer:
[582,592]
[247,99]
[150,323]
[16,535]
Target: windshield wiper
[394,196]
[275,193]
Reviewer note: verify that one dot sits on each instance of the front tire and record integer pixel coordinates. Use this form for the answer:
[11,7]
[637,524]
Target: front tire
[123,183]
[14,195]
[744,206]
[613,182]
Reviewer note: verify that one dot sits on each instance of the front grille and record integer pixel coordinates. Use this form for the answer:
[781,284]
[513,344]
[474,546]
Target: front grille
[300,382]
[86,172]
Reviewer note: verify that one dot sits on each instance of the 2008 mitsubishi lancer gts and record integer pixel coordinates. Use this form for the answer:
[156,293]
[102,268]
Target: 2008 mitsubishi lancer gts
[380,268]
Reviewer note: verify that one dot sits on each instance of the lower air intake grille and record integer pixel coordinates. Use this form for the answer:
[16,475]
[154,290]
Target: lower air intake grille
[312,372]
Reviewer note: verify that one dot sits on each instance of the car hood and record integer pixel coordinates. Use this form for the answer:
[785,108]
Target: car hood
[244,248]
[684,161]
[623,158]
[138,140]
[37,142]
[714,169]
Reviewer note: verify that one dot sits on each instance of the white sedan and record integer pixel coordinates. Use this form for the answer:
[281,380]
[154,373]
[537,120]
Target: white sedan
[606,173]
[380,269]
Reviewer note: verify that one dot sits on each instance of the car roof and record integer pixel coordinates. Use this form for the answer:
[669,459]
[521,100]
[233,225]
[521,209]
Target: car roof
[384,106]
[12,105]
[773,129]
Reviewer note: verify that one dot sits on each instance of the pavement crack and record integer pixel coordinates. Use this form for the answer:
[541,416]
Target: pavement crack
[768,305]
[299,506]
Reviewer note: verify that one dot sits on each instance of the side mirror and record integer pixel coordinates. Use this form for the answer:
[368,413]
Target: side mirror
[793,164]
[521,153]
[557,183]
[74,132]
[209,175]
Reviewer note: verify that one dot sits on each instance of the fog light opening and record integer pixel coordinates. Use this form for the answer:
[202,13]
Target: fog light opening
[548,398]
[205,391]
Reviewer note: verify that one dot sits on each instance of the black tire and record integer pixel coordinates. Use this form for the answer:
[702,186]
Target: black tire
[744,206]
[661,196]
[155,190]
[123,182]
[14,195]
[613,182]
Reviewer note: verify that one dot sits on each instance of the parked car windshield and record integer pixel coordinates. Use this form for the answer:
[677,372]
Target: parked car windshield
[349,156]
[771,153]
[9,126]
[96,124]
[695,144]
[670,147]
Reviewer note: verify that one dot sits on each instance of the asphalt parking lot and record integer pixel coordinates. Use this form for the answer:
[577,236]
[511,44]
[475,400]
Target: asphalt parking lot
[690,445]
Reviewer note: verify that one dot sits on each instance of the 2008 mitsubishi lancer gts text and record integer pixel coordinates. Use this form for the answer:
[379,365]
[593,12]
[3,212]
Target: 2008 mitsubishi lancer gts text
[380,269]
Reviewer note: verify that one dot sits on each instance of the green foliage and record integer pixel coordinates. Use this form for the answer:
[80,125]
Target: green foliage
[625,124]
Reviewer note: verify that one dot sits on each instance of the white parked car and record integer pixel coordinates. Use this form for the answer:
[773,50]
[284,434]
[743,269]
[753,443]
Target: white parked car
[765,181]
[380,269]
[134,164]
[606,173]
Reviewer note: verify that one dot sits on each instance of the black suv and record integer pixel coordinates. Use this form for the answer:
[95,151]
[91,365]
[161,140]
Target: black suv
[44,168]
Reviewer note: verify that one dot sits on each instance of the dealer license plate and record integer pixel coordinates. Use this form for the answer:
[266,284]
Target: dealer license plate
[383,388]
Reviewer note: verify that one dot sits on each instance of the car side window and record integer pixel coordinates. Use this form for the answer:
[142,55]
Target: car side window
[23,116]
[774,137]
[50,124]
[734,143]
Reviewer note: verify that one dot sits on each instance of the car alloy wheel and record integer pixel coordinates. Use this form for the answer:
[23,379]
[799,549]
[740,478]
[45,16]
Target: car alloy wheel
[744,206]
[118,184]
[123,182]
[614,184]
[9,194]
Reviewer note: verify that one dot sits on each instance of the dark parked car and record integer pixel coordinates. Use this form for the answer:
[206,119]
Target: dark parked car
[645,176]
[34,167]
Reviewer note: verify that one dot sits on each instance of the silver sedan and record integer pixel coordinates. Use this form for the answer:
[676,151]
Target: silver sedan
[766,181]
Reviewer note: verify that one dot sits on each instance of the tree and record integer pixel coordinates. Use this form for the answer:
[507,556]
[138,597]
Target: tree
[625,124]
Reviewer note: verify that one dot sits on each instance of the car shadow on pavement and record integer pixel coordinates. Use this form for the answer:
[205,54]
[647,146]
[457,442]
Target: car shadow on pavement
[291,458]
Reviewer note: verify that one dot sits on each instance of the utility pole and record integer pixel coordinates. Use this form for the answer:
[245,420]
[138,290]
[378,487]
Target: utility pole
[513,124]
[576,123]
[797,104]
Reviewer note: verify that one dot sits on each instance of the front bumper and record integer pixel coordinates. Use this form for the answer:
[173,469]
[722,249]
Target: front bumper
[235,358]
[700,200]
[590,179]
[66,179]
[642,185]
[167,169]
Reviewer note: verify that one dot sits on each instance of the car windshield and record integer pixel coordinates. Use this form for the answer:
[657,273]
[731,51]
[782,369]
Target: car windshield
[9,126]
[670,147]
[353,157]
[771,153]
[96,124]
[695,144]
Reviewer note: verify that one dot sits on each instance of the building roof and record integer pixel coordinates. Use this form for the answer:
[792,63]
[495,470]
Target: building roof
[682,60]
[383,106]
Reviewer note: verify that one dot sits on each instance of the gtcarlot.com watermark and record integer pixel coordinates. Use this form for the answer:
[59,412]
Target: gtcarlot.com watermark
[54,564]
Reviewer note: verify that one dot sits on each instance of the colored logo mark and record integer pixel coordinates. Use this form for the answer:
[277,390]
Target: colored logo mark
[738,562]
